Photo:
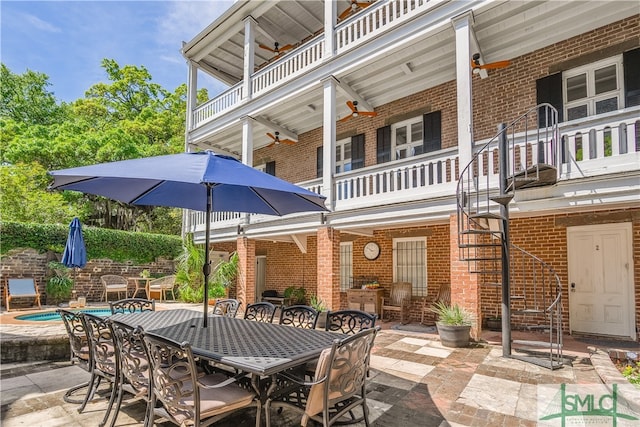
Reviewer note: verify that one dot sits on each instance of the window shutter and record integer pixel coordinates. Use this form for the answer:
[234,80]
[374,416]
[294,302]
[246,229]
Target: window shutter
[631,64]
[549,89]
[383,145]
[432,132]
[270,168]
[357,151]
[319,162]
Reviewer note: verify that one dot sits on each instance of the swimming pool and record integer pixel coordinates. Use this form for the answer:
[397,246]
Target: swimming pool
[49,316]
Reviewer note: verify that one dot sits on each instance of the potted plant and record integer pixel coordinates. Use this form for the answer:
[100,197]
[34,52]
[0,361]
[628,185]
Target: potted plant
[296,295]
[222,278]
[494,322]
[319,305]
[454,324]
[59,286]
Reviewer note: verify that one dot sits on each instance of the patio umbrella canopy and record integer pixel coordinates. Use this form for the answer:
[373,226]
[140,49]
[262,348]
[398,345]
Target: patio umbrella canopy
[202,181]
[75,253]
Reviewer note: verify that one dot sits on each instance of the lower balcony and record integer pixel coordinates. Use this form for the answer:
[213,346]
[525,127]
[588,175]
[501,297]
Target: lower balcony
[594,148]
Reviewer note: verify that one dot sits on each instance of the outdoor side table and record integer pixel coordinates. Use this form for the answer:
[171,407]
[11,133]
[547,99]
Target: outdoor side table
[141,284]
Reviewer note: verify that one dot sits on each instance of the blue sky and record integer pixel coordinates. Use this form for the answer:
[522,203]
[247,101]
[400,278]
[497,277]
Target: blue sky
[67,40]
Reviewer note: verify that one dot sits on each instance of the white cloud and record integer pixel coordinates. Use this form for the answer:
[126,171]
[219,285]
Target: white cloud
[38,24]
[185,19]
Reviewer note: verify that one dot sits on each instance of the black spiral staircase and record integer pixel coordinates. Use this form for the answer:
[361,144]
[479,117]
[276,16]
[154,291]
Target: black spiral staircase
[524,154]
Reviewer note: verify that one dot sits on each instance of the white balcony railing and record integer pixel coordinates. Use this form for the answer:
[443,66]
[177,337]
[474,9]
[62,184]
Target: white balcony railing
[288,67]
[380,17]
[593,146]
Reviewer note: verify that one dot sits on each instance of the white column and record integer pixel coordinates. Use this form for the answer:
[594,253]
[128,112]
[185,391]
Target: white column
[329,139]
[462,26]
[330,20]
[247,150]
[247,141]
[192,98]
[249,55]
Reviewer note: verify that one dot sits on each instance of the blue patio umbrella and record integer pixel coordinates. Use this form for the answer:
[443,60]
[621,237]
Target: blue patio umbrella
[202,181]
[75,252]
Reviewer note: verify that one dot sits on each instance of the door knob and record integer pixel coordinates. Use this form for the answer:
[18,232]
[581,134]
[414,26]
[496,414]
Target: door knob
[573,287]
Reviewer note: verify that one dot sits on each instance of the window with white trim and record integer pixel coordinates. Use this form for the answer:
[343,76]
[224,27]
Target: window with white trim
[346,265]
[406,138]
[593,89]
[343,155]
[410,263]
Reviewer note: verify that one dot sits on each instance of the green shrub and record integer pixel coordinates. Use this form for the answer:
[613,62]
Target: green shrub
[59,285]
[453,315]
[100,242]
[296,295]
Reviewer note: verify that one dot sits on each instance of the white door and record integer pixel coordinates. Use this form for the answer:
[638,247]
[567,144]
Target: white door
[601,295]
[261,276]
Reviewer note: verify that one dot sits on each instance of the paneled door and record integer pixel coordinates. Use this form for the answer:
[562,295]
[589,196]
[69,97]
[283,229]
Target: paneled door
[601,296]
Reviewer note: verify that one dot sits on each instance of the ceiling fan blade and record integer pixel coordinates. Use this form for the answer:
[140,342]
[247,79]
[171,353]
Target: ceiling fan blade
[344,14]
[286,47]
[363,5]
[345,118]
[266,47]
[493,65]
[352,106]
[271,136]
[367,113]
[288,141]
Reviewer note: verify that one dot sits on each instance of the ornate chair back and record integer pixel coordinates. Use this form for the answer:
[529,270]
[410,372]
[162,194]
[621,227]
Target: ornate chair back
[299,316]
[132,305]
[80,350]
[131,358]
[340,378]
[349,321]
[260,312]
[187,398]
[226,307]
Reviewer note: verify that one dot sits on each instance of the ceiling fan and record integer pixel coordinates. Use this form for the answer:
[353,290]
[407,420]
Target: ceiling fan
[353,8]
[276,139]
[476,66]
[277,49]
[353,105]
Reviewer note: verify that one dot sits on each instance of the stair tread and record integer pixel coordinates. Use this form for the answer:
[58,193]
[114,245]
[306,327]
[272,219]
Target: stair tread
[479,245]
[479,231]
[529,311]
[502,199]
[532,343]
[486,215]
[540,361]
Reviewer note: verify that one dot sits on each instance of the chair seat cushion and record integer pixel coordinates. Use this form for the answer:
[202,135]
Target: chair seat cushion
[214,401]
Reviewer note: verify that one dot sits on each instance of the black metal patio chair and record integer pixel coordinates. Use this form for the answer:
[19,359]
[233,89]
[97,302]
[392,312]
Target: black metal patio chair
[338,386]
[80,350]
[226,307]
[260,312]
[299,316]
[349,321]
[190,399]
[132,305]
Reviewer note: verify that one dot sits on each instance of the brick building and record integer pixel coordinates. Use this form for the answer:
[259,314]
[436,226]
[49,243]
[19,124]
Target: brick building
[381,108]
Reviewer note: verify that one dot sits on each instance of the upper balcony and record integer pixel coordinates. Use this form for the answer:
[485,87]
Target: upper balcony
[381,53]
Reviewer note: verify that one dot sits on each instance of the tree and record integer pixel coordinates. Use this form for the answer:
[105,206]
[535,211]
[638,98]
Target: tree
[25,98]
[125,118]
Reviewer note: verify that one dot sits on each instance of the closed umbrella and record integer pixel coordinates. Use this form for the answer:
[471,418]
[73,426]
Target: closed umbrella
[75,253]
[202,181]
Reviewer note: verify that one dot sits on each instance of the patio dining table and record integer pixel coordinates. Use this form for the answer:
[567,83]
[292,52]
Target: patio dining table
[260,349]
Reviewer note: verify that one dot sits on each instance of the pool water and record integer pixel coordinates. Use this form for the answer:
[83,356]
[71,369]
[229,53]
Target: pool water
[49,316]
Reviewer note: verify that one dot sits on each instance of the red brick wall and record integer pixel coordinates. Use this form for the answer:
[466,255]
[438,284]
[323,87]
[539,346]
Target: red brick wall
[329,267]
[246,281]
[502,97]
[30,263]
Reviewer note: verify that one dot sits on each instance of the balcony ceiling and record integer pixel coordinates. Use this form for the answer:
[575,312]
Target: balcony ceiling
[397,65]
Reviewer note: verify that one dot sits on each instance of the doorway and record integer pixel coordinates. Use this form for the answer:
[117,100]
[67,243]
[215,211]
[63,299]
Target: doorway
[601,285]
[261,276]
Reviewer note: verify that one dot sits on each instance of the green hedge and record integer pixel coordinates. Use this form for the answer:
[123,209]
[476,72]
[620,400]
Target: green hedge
[100,242]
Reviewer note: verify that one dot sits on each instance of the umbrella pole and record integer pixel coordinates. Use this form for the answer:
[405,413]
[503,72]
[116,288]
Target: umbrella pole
[206,268]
